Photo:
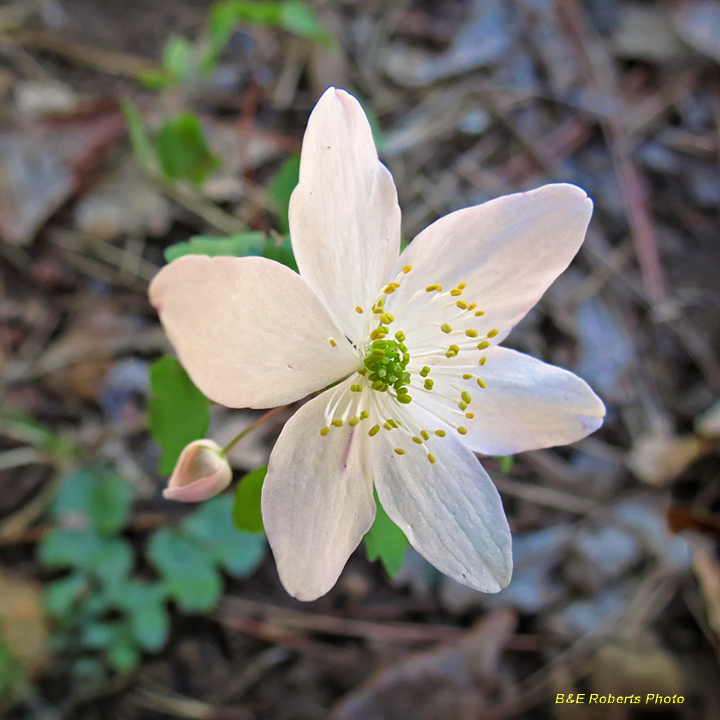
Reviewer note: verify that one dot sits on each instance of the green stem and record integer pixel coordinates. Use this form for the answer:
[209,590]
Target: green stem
[250,428]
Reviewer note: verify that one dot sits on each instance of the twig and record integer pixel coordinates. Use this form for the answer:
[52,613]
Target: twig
[111,62]
[600,78]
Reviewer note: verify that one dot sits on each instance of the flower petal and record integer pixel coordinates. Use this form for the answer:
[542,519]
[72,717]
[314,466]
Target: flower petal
[344,215]
[508,251]
[249,331]
[317,500]
[450,511]
[526,404]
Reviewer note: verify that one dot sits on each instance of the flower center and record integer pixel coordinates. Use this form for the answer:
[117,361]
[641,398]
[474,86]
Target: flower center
[384,365]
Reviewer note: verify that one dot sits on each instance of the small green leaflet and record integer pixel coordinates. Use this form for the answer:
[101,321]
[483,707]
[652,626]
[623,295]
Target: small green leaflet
[246,509]
[242,245]
[183,151]
[251,243]
[506,463]
[295,16]
[386,541]
[190,577]
[178,412]
[97,498]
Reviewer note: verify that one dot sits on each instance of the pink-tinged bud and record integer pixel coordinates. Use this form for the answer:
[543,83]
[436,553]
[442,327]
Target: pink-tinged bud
[201,472]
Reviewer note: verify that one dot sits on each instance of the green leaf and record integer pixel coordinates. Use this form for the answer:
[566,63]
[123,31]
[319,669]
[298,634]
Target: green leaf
[246,512]
[154,79]
[506,463]
[98,498]
[251,243]
[241,245]
[123,654]
[212,524]
[138,137]
[183,151]
[113,560]
[178,412]
[280,250]
[294,16]
[386,541]
[60,596]
[189,575]
[150,625]
[177,59]
[282,186]
[221,25]
[299,18]
[61,548]
[99,635]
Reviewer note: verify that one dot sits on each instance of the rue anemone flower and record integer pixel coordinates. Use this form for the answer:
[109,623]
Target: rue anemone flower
[406,347]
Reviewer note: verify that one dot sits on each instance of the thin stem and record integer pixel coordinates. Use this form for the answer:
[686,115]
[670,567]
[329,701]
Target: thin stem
[250,428]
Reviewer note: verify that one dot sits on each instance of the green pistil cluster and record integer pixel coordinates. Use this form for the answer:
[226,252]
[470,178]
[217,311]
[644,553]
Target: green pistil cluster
[384,364]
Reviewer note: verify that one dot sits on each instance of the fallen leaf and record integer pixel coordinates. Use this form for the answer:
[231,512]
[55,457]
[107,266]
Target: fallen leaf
[707,570]
[658,457]
[43,165]
[698,23]
[23,625]
[446,683]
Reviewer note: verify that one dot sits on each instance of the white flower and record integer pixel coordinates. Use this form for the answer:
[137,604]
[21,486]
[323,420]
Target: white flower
[412,342]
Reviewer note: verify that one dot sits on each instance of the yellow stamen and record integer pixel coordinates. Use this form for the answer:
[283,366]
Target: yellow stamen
[471,333]
[358,309]
[467,376]
[431,458]
[399,451]
[417,440]
[431,288]
[462,430]
[332,342]
[493,333]
[484,345]
[440,433]
[483,360]
[481,383]
[479,313]
[374,430]
[324,430]
[407,269]
[462,304]
[337,423]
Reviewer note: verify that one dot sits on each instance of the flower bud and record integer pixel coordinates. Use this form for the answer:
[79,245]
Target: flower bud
[201,472]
